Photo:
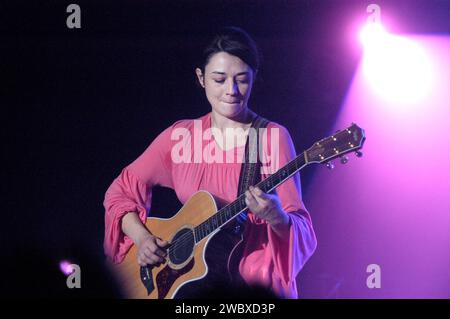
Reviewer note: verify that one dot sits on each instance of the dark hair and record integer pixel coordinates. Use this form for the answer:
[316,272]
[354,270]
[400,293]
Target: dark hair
[234,41]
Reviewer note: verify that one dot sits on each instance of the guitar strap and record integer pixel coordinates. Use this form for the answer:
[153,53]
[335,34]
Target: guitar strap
[251,166]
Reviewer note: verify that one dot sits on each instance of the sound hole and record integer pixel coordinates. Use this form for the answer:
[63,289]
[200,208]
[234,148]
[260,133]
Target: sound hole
[182,246]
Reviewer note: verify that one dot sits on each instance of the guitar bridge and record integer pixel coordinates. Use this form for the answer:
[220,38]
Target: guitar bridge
[147,279]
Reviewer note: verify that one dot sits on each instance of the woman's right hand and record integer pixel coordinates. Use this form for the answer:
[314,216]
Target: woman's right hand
[151,250]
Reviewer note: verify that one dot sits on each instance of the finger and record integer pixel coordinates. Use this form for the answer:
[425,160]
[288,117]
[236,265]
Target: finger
[250,200]
[150,244]
[259,194]
[150,260]
[160,253]
[249,195]
[264,202]
[150,254]
[252,205]
[156,259]
[147,253]
[161,243]
[144,261]
[248,203]
[153,247]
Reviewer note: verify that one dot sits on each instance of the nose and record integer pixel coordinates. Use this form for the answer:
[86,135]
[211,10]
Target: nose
[232,88]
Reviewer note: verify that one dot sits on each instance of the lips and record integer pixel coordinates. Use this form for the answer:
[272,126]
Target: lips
[232,102]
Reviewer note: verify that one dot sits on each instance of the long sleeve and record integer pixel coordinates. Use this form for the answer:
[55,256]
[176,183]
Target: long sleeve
[131,191]
[269,259]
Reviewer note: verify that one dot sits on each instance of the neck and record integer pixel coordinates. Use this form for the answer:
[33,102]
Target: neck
[243,120]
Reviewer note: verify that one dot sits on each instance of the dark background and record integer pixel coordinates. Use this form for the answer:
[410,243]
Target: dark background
[80,104]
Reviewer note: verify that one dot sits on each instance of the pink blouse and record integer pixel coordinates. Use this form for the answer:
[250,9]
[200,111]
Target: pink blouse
[267,259]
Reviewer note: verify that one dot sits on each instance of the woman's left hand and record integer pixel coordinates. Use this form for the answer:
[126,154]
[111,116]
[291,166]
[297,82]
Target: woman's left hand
[267,207]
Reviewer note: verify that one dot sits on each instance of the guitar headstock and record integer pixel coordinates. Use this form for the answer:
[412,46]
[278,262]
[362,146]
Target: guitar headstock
[342,142]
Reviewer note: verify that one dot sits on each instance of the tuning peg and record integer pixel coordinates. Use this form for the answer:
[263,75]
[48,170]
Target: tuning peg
[330,165]
[359,153]
[344,159]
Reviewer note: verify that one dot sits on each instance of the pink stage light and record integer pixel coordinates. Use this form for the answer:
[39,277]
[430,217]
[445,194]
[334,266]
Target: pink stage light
[373,35]
[397,69]
[65,267]
[392,206]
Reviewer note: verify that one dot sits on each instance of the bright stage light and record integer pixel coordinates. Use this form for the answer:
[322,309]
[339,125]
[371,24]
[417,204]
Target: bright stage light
[65,267]
[396,68]
[372,35]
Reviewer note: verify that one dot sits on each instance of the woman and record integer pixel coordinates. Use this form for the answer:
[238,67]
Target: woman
[279,235]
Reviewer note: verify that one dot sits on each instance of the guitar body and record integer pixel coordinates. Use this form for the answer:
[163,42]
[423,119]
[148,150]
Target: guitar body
[172,278]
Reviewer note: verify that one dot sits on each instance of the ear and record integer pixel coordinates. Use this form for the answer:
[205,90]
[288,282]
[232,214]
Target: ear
[200,77]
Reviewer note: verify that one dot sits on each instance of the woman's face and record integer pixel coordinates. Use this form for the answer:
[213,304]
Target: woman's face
[228,83]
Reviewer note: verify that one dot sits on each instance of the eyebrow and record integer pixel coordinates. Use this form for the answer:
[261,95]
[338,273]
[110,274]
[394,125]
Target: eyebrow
[223,73]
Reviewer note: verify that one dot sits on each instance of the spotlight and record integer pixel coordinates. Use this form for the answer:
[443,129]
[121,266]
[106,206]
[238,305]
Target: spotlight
[65,267]
[373,35]
[397,69]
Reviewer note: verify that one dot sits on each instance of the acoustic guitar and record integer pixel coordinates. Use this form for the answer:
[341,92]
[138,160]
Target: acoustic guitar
[204,240]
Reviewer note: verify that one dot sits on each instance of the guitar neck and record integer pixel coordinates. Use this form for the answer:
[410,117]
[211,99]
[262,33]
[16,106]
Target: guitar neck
[342,142]
[230,211]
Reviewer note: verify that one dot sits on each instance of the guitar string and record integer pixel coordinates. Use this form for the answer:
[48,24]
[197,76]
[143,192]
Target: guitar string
[183,239]
[292,164]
